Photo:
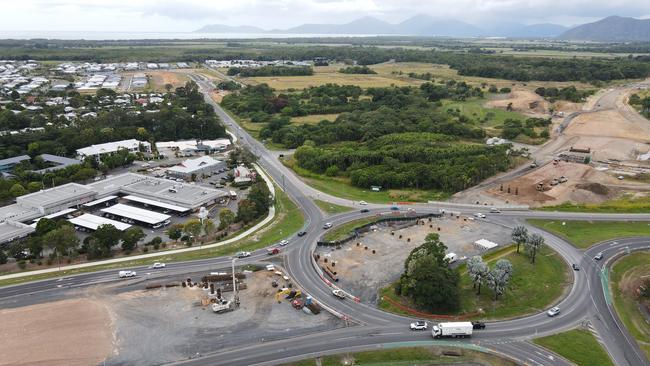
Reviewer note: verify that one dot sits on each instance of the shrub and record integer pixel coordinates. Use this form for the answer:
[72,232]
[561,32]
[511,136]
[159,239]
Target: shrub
[22,264]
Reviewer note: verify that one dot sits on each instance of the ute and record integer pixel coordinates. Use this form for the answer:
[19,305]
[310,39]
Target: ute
[419,325]
[338,293]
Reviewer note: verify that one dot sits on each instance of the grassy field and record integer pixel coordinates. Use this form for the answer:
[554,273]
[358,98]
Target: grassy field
[341,232]
[578,346]
[584,234]
[341,187]
[313,119]
[623,274]
[474,110]
[413,356]
[625,204]
[332,209]
[533,288]
[288,220]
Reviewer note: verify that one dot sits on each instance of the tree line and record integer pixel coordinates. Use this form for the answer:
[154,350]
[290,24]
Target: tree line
[271,71]
[569,93]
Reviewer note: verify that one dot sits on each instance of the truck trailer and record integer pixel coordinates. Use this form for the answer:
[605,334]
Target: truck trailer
[452,330]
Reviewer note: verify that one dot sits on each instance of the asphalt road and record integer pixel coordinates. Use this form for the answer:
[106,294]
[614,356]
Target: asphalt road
[586,303]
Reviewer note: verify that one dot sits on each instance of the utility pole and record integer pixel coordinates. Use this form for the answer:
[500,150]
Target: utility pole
[234,284]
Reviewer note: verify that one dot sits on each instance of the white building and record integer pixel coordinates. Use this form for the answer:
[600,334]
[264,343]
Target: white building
[132,145]
[243,175]
[196,167]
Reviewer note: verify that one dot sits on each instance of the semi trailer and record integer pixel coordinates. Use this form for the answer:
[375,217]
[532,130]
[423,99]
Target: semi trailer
[452,330]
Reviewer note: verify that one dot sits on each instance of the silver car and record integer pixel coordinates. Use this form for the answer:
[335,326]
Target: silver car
[553,311]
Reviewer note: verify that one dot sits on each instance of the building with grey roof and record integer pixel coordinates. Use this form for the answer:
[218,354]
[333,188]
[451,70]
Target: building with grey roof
[58,198]
[9,163]
[12,230]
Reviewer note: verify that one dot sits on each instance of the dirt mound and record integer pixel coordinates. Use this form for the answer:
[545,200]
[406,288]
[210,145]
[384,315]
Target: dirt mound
[596,188]
[524,101]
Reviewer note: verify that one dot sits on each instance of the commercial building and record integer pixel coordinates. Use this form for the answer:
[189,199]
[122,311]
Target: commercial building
[166,207]
[204,165]
[12,230]
[97,151]
[92,222]
[57,199]
[243,175]
[192,147]
[134,214]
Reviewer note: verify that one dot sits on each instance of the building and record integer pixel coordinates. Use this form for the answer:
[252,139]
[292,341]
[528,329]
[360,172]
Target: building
[12,230]
[97,151]
[243,175]
[9,163]
[204,165]
[192,147]
[57,199]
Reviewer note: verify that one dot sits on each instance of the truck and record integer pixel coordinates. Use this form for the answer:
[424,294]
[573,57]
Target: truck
[452,330]
[338,293]
[125,274]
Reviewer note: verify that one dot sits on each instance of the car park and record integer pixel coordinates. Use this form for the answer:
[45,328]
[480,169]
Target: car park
[327,225]
[158,265]
[243,254]
[419,325]
[553,311]
[478,325]
[598,256]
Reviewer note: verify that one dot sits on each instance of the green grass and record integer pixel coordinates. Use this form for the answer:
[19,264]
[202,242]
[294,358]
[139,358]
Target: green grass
[584,234]
[313,119]
[533,288]
[341,187]
[288,220]
[474,110]
[578,346]
[625,204]
[332,209]
[341,232]
[411,356]
[626,305]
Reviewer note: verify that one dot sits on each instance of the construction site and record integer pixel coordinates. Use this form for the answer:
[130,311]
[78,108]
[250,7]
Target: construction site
[376,258]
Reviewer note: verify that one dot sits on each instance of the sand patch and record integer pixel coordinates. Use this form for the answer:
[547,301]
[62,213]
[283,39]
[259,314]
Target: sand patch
[608,123]
[69,332]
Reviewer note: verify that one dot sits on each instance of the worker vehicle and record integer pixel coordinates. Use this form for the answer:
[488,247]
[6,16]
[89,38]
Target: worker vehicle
[452,330]
[553,311]
[125,274]
[419,325]
[338,293]
[158,265]
[222,306]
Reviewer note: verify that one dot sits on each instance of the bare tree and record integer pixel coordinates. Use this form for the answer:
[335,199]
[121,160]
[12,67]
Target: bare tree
[533,245]
[519,235]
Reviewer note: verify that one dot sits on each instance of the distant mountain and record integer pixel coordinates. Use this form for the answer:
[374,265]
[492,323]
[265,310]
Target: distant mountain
[221,28]
[424,25]
[365,25]
[611,29]
[518,30]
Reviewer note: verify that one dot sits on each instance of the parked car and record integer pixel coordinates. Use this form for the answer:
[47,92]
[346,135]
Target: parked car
[284,242]
[125,274]
[553,311]
[158,265]
[302,233]
[327,225]
[575,267]
[598,256]
[478,325]
[243,254]
[364,210]
[419,325]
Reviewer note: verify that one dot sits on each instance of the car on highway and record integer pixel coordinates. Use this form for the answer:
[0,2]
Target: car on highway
[575,267]
[302,233]
[598,256]
[479,215]
[394,208]
[243,254]
[158,265]
[478,325]
[494,210]
[419,325]
[327,225]
[125,274]
[284,242]
[553,311]
[364,210]
[272,251]
[363,203]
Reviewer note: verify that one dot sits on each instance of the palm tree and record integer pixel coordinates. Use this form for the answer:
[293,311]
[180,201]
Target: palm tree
[519,235]
[534,243]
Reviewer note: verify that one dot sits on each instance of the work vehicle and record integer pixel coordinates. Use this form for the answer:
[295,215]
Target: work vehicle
[158,265]
[479,215]
[451,257]
[494,210]
[327,225]
[222,306]
[272,251]
[302,233]
[419,325]
[243,254]
[452,329]
[338,293]
[478,325]
[284,242]
[599,256]
[553,311]
[125,274]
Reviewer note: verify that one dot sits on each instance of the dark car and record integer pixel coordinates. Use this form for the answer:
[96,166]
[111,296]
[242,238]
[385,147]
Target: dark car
[575,267]
[365,210]
[478,325]
[302,233]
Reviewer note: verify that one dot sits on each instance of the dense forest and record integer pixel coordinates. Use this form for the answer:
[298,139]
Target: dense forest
[570,93]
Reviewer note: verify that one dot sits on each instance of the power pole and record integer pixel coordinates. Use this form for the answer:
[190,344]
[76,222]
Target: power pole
[234,284]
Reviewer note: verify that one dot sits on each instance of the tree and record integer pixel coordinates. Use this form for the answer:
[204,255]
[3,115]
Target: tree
[175,231]
[35,245]
[478,271]
[107,236]
[61,240]
[246,211]
[169,87]
[505,266]
[3,257]
[44,226]
[226,217]
[533,245]
[427,278]
[208,227]
[131,237]
[193,228]
[519,235]
[17,190]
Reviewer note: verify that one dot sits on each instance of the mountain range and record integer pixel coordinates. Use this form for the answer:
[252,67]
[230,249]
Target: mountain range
[610,29]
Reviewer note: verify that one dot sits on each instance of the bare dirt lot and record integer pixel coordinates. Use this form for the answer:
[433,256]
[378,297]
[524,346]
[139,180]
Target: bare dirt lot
[522,100]
[164,325]
[160,78]
[608,123]
[69,332]
[363,273]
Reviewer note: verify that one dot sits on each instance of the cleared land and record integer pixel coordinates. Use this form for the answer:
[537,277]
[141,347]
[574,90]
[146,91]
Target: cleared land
[69,332]
[627,276]
[584,234]
[522,100]
[625,204]
[313,119]
[158,79]
[411,357]
[578,346]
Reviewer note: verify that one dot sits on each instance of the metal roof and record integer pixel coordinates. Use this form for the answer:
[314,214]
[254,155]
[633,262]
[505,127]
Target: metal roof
[149,202]
[93,222]
[101,200]
[137,214]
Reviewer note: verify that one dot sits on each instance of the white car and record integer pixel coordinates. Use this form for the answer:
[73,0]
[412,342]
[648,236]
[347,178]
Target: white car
[125,274]
[479,215]
[363,203]
[327,225]
[158,265]
[284,242]
[553,311]
[419,325]
[598,256]
[243,254]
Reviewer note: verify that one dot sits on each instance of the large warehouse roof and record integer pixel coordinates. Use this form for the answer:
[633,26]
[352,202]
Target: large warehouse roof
[53,196]
[149,202]
[101,200]
[192,165]
[10,230]
[137,214]
[92,222]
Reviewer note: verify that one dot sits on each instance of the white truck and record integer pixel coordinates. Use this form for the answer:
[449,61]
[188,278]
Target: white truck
[126,274]
[452,330]
[222,306]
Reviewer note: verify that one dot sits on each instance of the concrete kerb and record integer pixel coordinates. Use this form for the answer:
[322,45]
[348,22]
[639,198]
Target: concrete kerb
[241,236]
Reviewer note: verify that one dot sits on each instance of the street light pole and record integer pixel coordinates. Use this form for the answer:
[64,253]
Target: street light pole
[234,284]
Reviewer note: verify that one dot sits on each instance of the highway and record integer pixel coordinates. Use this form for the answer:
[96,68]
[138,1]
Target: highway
[587,302]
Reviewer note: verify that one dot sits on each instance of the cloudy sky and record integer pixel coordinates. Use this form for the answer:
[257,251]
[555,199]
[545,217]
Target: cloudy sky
[187,15]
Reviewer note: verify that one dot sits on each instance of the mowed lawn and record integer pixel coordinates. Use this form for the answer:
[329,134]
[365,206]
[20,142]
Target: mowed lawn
[331,208]
[343,231]
[584,234]
[578,346]
[474,110]
[625,276]
[533,288]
